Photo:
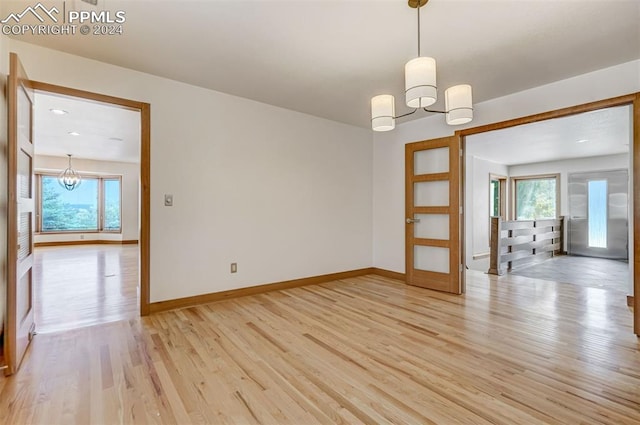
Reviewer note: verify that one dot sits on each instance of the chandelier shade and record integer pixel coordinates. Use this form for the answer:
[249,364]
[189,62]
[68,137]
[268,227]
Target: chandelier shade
[458,104]
[69,179]
[420,82]
[383,112]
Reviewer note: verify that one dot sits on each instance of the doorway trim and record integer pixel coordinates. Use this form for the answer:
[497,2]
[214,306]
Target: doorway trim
[145,174]
[632,99]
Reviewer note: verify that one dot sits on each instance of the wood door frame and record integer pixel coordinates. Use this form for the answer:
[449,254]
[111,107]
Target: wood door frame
[145,174]
[632,99]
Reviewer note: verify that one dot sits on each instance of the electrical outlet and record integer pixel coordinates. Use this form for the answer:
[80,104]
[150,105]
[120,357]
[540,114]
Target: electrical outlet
[234,267]
[81,236]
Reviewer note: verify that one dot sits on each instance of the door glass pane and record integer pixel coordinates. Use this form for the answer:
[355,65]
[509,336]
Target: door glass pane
[24,295]
[111,205]
[25,233]
[25,178]
[431,226]
[535,199]
[65,210]
[24,114]
[431,258]
[598,213]
[431,194]
[431,161]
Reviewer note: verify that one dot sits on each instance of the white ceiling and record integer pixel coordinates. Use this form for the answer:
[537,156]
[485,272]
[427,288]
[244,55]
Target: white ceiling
[597,133]
[329,57]
[106,132]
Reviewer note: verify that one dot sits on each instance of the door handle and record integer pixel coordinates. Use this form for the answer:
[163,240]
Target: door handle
[413,220]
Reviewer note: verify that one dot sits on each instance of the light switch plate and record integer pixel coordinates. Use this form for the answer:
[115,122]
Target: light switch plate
[168,200]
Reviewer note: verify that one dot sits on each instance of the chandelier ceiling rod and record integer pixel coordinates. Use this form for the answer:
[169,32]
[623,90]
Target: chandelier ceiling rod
[418,11]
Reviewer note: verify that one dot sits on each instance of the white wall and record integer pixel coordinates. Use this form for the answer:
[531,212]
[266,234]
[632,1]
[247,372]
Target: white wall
[284,194]
[477,226]
[130,205]
[388,154]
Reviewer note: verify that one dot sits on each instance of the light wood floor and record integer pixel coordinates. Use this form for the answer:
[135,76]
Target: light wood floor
[84,285]
[363,350]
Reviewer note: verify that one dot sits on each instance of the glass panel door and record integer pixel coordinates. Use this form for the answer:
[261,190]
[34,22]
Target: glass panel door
[432,214]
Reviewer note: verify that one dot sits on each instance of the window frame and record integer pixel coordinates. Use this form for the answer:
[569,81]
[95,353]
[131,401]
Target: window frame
[513,184]
[502,194]
[101,207]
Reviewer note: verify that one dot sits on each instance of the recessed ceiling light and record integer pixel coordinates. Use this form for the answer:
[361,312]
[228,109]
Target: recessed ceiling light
[74,133]
[582,141]
[58,111]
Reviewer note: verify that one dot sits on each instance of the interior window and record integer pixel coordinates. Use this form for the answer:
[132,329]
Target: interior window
[93,206]
[535,198]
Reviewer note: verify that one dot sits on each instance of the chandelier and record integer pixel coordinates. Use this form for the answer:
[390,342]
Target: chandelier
[69,178]
[421,92]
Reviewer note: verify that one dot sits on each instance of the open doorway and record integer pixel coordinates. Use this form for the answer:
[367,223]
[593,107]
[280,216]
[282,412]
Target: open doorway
[568,176]
[86,235]
[19,326]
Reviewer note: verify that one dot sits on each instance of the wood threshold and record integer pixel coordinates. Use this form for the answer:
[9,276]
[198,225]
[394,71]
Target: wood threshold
[159,306]
[86,242]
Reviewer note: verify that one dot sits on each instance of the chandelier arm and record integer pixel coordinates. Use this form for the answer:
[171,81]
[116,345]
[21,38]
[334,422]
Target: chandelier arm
[435,112]
[407,114]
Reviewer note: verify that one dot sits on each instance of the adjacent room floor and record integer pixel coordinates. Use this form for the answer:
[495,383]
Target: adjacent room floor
[585,271]
[361,350]
[85,285]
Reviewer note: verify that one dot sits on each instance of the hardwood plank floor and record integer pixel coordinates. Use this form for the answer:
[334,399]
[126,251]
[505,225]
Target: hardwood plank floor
[362,350]
[84,285]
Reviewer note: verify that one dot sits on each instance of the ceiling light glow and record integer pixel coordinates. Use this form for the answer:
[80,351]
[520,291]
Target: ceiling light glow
[58,111]
[74,133]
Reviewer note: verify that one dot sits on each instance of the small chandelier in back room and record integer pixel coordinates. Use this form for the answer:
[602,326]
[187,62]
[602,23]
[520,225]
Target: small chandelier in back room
[421,91]
[69,179]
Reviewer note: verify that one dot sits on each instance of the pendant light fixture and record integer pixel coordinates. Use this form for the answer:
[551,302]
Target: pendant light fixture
[69,179]
[421,91]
